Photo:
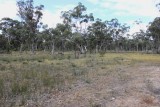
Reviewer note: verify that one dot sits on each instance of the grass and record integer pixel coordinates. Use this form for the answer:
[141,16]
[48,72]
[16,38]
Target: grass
[22,75]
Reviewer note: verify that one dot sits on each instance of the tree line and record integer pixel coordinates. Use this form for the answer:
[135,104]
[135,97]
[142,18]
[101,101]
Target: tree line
[78,32]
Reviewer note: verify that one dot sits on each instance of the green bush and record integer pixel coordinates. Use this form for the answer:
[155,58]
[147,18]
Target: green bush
[102,53]
[19,88]
[1,88]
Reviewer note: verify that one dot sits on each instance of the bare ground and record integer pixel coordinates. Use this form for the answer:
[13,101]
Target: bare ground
[134,86]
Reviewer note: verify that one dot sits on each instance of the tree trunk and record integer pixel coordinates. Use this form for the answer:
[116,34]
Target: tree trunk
[36,46]
[137,47]
[8,44]
[44,50]
[82,50]
[158,49]
[85,47]
[96,48]
[21,47]
[62,47]
[52,52]
[76,54]
[32,48]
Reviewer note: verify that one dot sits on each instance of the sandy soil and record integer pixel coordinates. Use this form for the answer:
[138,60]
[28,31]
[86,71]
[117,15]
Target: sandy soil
[135,86]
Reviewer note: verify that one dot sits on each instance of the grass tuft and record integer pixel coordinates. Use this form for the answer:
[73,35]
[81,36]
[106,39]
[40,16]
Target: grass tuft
[23,75]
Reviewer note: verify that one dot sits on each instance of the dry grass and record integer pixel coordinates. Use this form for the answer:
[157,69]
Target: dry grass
[25,77]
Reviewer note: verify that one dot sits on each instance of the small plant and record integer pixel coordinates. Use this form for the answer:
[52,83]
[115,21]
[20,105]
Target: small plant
[1,88]
[19,88]
[15,60]
[2,68]
[69,57]
[25,62]
[96,105]
[102,53]
[6,60]
[103,67]
[47,81]
[88,81]
[77,72]
[59,63]
[73,65]
[40,60]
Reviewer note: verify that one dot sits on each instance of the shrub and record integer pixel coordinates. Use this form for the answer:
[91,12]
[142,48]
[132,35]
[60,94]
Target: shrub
[19,88]
[102,53]
[1,88]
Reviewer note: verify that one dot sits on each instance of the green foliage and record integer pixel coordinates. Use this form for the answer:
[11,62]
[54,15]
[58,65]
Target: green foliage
[73,65]
[69,57]
[2,88]
[20,87]
[78,72]
[102,35]
[2,67]
[47,80]
[102,53]
[154,31]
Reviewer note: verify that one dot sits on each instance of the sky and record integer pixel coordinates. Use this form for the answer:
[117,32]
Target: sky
[126,11]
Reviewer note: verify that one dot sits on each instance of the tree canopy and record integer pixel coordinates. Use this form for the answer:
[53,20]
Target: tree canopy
[78,32]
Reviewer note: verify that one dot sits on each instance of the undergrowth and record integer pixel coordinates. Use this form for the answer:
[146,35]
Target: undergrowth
[22,75]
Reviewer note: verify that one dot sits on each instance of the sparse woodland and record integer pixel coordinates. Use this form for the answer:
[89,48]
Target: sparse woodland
[78,32]
[82,62]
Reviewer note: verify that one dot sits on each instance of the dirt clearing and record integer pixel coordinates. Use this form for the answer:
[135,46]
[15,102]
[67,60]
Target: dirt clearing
[136,86]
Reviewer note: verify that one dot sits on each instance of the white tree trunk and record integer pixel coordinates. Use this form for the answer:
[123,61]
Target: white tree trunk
[52,52]
[32,49]
[21,47]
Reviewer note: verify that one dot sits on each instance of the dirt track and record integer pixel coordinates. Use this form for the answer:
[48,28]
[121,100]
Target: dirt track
[136,86]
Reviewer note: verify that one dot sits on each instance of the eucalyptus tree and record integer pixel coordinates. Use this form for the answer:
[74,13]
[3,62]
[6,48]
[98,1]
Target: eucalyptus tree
[49,38]
[114,27]
[31,16]
[78,21]
[9,29]
[5,26]
[55,38]
[92,41]
[21,36]
[154,30]
[99,30]
[149,41]
[142,40]
[3,43]
[64,32]
[124,29]
[117,31]
[46,37]
[100,33]
[138,39]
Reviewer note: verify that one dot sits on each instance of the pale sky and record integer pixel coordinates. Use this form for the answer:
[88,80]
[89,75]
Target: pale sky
[126,11]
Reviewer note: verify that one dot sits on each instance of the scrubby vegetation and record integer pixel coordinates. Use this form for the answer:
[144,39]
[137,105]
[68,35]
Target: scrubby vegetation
[78,32]
[25,78]
[81,58]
